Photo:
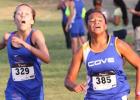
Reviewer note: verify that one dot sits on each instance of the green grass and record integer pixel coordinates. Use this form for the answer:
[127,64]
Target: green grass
[48,21]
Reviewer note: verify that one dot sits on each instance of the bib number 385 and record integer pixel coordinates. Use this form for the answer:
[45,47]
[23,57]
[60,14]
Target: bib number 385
[104,82]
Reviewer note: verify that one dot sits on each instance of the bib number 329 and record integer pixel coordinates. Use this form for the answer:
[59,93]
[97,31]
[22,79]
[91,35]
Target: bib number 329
[22,73]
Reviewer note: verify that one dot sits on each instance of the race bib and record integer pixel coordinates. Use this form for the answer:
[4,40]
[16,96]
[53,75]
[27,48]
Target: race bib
[104,81]
[22,72]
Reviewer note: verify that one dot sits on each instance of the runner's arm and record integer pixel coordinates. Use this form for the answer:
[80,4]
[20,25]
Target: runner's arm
[3,43]
[70,80]
[40,50]
[133,58]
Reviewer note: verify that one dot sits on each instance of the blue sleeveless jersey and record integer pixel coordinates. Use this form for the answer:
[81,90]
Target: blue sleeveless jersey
[79,5]
[25,71]
[106,79]
[77,26]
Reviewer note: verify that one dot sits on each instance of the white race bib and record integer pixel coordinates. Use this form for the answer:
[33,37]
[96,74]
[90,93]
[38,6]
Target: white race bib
[104,82]
[21,72]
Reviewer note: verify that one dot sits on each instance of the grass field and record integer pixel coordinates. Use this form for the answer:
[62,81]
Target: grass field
[48,21]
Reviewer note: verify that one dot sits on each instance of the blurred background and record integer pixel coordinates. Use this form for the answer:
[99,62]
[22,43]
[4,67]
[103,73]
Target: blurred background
[48,20]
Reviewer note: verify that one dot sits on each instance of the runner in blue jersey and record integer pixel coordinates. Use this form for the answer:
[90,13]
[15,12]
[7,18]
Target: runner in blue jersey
[75,24]
[63,6]
[25,47]
[103,57]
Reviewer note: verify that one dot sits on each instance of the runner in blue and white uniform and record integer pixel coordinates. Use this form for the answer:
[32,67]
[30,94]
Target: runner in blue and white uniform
[75,24]
[25,47]
[103,57]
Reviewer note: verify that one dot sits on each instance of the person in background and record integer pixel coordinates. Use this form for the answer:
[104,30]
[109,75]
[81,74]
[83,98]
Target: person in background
[103,59]
[63,6]
[136,24]
[98,5]
[26,47]
[75,24]
[120,19]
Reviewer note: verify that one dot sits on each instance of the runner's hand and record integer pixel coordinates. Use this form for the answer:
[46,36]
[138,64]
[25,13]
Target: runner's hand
[80,88]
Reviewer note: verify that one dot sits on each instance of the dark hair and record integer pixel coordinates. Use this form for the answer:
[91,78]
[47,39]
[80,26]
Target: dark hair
[121,4]
[24,4]
[89,12]
[96,2]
